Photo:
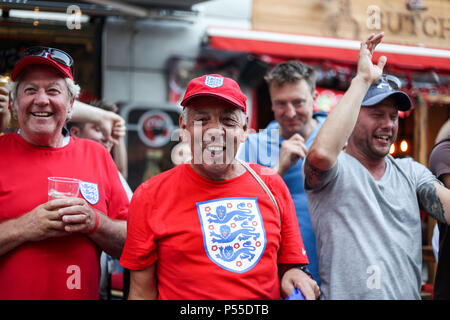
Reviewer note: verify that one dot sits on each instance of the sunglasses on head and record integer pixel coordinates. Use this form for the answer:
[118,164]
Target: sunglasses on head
[393,81]
[55,54]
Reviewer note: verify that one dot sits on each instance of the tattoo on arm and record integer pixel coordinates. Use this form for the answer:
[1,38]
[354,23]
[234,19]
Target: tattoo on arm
[430,202]
[316,178]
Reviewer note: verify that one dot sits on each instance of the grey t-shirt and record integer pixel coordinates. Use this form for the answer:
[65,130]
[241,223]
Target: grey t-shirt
[369,232]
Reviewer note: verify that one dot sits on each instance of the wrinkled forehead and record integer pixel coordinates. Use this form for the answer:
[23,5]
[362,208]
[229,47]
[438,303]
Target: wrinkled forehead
[41,76]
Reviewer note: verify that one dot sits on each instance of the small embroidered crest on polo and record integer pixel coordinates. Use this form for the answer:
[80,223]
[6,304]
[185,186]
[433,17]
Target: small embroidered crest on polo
[89,191]
[213,82]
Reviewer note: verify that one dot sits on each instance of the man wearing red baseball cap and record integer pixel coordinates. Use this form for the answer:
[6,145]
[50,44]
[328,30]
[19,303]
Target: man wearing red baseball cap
[50,247]
[214,228]
[56,59]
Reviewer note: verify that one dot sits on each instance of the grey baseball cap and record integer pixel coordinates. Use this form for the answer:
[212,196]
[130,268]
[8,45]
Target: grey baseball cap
[387,86]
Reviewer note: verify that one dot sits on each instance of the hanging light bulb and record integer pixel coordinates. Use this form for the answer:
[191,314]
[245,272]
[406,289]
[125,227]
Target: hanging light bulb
[36,22]
[404,145]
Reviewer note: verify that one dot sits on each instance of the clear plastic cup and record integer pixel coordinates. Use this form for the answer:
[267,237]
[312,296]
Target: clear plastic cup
[60,187]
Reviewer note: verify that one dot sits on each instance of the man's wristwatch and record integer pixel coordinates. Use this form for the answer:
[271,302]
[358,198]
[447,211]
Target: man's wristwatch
[305,270]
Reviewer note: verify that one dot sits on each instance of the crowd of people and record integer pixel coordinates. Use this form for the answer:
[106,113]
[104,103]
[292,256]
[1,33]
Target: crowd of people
[311,207]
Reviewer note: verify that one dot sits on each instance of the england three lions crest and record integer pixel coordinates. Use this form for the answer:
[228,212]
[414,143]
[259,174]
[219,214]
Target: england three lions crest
[233,232]
[89,191]
[213,81]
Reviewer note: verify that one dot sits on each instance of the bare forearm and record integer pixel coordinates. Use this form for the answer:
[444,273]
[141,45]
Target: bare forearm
[339,124]
[143,284]
[10,236]
[110,235]
[83,112]
[120,157]
[435,200]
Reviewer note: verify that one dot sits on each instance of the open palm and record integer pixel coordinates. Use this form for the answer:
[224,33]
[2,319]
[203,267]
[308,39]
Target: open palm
[369,71]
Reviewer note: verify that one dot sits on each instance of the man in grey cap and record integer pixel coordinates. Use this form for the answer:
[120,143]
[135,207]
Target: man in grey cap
[365,204]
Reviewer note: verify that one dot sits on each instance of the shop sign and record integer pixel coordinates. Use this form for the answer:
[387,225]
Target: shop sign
[407,22]
[155,128]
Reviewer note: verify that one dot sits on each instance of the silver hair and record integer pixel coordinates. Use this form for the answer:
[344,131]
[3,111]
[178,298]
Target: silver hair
[242,116]
[72,88]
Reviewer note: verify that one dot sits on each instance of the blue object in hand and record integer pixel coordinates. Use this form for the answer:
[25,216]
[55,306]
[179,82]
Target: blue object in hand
[296,295]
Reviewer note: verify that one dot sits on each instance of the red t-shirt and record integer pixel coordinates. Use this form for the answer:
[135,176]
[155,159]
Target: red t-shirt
[212,239]
[56,268]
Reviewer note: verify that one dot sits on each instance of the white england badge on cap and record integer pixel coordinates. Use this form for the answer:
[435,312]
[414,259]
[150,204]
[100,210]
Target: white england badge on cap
[213,82]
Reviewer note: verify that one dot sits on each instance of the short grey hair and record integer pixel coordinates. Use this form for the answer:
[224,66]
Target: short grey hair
[242,115]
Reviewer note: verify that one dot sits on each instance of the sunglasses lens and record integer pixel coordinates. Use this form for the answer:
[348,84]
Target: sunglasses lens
[34,51]
[55,54]
[61,57]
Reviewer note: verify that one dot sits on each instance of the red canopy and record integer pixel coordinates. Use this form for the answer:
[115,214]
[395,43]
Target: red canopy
[341,50]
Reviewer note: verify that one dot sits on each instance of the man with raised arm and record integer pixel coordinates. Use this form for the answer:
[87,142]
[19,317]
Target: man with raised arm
[365,204]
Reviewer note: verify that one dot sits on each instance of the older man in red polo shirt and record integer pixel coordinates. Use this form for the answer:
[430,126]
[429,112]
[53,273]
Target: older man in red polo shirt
[50,249]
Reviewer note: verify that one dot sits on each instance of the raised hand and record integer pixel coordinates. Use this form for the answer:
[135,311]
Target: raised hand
[369,71]
[291,151]
[113,127]
[118,129]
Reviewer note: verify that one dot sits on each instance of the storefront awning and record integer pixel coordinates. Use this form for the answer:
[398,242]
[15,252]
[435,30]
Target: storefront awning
[312,47]
[154,9]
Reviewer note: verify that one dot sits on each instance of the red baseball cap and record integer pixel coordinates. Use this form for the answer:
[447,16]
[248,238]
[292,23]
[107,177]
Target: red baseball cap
[215,85]
[57,59]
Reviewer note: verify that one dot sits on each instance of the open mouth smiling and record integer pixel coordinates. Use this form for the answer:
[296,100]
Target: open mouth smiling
[41,114]
[215,149]
[382,138]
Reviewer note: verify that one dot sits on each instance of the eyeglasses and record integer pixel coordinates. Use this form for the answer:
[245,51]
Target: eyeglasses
[56,54]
